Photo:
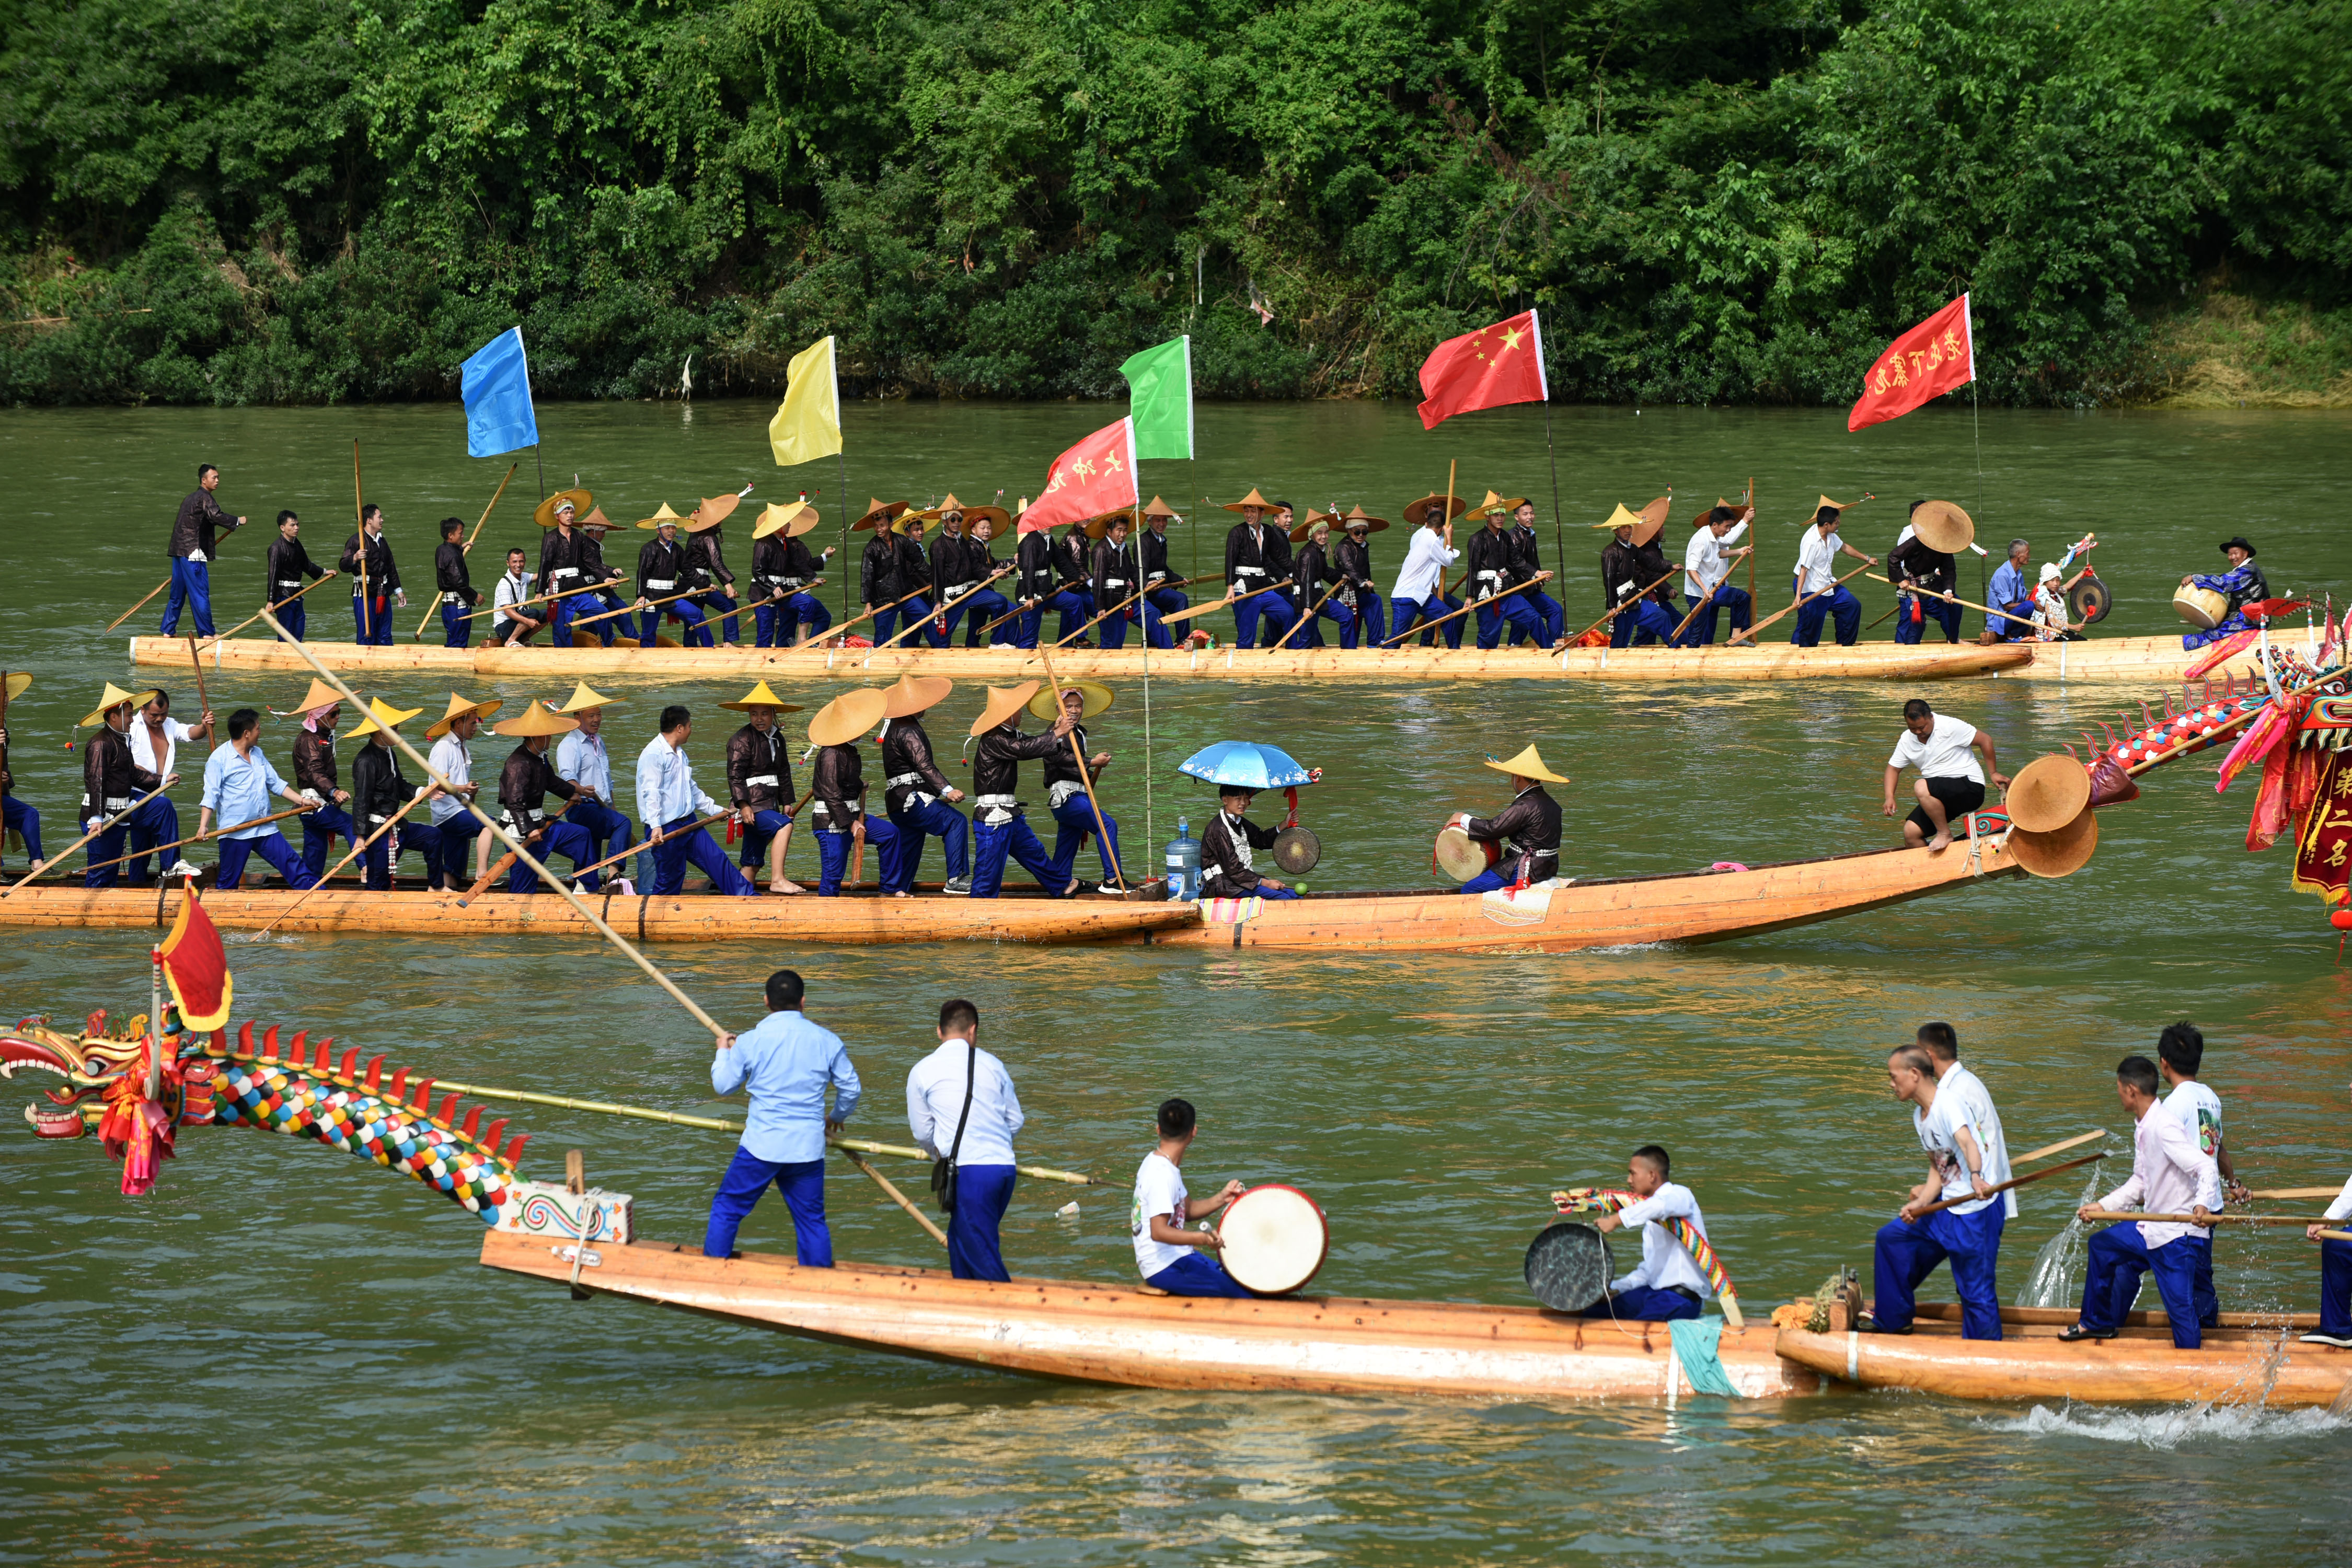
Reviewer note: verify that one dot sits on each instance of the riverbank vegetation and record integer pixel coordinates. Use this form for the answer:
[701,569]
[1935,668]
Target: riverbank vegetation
[1711,200]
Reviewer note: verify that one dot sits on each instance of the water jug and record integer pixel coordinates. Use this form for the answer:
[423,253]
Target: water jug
[1184,863]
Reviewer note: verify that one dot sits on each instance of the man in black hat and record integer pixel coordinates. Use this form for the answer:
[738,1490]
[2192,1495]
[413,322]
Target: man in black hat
[2244,583]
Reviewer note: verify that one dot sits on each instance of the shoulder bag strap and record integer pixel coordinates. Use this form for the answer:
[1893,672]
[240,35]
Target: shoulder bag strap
[944,1170]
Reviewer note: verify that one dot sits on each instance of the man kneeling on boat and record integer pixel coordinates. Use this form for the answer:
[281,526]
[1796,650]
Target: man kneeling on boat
[1952,1128]
[1167,1251]
[783,1063]
[2171,1172]
[1669,1283]
[1528,829]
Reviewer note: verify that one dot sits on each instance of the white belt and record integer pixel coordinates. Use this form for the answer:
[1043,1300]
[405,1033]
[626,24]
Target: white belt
[768,779]
[289,582]
[1151,577]
[1249,571]
[452,597]
[1490,576]
[661,584]
[116,803]
[196,555]
[996,810]
[855,809]
[1114,581]
[900,781]
[375,817]
[560,573]
[1064,791]
[787,583]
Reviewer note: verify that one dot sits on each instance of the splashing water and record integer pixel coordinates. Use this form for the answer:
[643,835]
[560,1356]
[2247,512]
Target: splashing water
[2056,1279]
[2169,1429]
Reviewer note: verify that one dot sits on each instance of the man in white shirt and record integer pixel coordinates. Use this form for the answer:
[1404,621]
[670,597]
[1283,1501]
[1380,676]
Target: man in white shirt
[2170,1175]
[2179,1054]
[452,758]
[1167,1252]
[1942,1043]
[1668,1283]
[1707,575]
[1418,595]
[1949,784]
[1817,573]
[1967,1235]
[580,759]
[510,624]
[670,804]
[155,736]
[2334,1275]
[961,1108]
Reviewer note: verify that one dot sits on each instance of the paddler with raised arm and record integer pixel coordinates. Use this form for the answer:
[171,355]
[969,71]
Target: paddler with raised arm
[1528,829]
[1707,572]
[1668,1283]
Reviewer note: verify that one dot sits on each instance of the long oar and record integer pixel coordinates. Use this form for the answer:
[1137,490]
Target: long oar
[1079,755]
[357,850]
[895,1195]
[1619,610]
[1193,611]
[1750,633]
[2062,1146]
[635,849]
[203,703]
[883,611]
[903,632]
[2283,1192]
[1475,603]
[2109,1216]
[506,861]
[140,605]
[1971,603]
[225,829]
[58,858]
[748,606]
[468,548]
[518,604]
[2012,1182]
[1064,642]
[1309,615]
[632,609]
[315,582]
[359,523]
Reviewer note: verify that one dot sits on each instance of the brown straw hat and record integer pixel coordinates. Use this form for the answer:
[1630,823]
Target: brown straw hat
[878,514]
[2059,853]
[842,720]
[1162,509]
[458,708]
[320,695]
[544,513]
[1252,500]
[1415,509]
[1099,525]
[1096,695]
[2048,792]
[714,511]
[1359,518]
[1944,527]
[1003,702]
[913,694]
[536,718]
[1306,525]
[761,697]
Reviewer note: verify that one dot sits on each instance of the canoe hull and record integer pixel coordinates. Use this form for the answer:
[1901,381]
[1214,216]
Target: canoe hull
[1626,911]
[1108,1334]
[700,917]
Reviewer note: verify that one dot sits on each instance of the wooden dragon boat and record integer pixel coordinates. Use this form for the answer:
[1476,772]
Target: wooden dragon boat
[2251,1359]
[856,920]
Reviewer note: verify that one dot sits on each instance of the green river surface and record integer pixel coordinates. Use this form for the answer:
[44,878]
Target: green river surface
[286,1355]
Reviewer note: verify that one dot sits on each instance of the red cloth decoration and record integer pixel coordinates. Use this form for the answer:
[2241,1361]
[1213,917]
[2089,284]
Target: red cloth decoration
[195,967]
[1484,369]
[1929,360]
[136,1130]
[1094,477]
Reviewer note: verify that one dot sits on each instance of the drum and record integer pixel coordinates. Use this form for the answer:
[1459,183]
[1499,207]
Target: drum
[1568,1267]
[2203,608]
[1297,850]
[1457,857]
[2089,601]
[1275,1239]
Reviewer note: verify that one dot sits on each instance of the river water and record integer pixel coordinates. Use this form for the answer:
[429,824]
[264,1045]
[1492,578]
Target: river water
[285,1355]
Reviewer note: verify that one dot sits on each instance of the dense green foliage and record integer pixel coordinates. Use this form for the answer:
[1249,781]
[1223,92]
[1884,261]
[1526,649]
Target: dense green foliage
[294,200]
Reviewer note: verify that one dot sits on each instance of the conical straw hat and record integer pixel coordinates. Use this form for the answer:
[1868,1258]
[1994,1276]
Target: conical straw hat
[584,696]
[877,513]
[1003,702]
[19,683]
[544,513]
[714,511]
[1252,500]
[458,708]
[2059,853]
[1098,698]
[1620,518]
[1416,509]
[1527,764]
[2048,792]
[1944,527]
[536,718]
[114,697]
[913,694]
[320,695]
[761,697]
[840,722]
[1162,509]
[662,514]
[1359,518]
[381,715]
[1494,503]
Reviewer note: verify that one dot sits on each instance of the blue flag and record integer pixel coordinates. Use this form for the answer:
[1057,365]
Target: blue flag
[498,398]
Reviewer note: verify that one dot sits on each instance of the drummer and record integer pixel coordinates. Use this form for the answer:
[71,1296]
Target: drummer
[1168,1253]
[1668,1283]
[1228,868]
[1949,783]
[2242,585]
[1528,829]
[1950,1128]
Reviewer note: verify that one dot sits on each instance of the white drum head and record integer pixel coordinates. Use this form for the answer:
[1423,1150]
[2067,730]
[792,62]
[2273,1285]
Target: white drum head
[1275,1239]
[1457,855]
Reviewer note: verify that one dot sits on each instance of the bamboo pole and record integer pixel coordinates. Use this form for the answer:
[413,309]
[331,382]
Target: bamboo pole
[323,578]
[140,605]
[2110,1217]
[357,850]
[494,609]
[2012,1182]
[469,549]
[1064,642]
[896,1196]
[203,703]
[2294,1192]
[1193,611]
[1309,615]
[1079,755]
[1969,603]
[632,609]
[1457,614]
[578,903]
[225,829]
[359,523]
[2063,1145]
[1618,611]
[635,849]
[776,597]
[907,631]
[884,610]
[508,860]
[60,857]
[1750,633]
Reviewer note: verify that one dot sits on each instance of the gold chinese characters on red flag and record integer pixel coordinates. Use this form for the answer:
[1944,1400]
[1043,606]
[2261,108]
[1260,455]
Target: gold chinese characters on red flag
[1931,359]
[1094,477]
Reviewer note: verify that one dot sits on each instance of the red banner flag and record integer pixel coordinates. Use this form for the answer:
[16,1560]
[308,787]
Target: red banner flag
[1484,369]
[196,967]
[1929,360]
[1094,477]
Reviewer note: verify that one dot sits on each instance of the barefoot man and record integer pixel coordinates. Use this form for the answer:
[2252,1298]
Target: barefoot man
[1949,783]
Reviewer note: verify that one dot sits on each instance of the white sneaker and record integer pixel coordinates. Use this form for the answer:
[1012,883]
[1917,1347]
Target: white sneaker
[181,868]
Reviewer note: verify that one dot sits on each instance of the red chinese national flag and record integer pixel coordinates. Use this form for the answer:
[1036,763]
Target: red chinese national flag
[196,967]
[1484,369]
[1929,360]
[1094,477]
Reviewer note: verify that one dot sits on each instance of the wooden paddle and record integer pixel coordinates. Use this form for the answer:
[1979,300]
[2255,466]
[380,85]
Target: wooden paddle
[1708,597]
[1309,615]
[907,631]
[140,605]
[632,609]
[1188,613]
[2283,1192]
[2336,1236]
[418,634]
[2109,1216]
[1079,755]
[1475,603]
[2062,1146]
[896,1196]
[1750,633]
[194,837]
[506,861]
[357,850]
[635,849]
[358,522]
[203,703]
[323,578]
[518,604]
[835,631]
[1620,609]
[777,597]
[2004,1186]
[58,858]
[1921,593]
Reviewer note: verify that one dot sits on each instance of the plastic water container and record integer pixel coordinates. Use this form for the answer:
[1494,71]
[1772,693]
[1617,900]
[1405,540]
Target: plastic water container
[1184,863]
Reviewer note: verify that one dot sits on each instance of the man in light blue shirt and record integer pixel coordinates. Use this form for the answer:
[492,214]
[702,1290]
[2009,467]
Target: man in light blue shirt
[2012,589]
[581,759]
[238,785]
[784,1063]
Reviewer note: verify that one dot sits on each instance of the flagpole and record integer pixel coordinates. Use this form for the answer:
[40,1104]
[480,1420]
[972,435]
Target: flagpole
[1543,380]
[1968,316]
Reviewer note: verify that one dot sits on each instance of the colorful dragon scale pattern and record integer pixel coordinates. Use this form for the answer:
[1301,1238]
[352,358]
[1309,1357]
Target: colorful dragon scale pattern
[301,1092]
[1609,1200]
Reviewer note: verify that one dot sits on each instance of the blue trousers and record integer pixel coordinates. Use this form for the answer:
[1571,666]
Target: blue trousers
[1311,634]
[1197,1274]
[2208,1302]
[568,839]
[2118,1258]
[694,632]
[107,845]
[1550,612]
[455,629]
[372,620]
[15,816]
[982,1194]
[1514,612]
[1168,601]
[1905,1255]
[757,835]
[776,626]
[990,848]
[935,819]
[1492,879]
[1249,611]
[607,830]
[1113,628]
[2335,1287]
[2231,624]
[1073,608]
[1643,621]
[1372,619]
[1641,1304]
[913,613]
[1264,891]
[271,846]
[1934,612]
[320,828]
[423,837]
[671,856]
[975,610]
[1701,631]
[802,1183]
[834,849]
[1838,602]
[294,618]
[570,607]
[1074,819]
[457,836]
[192,585]
[715,605]
[157,822]
[1405,614]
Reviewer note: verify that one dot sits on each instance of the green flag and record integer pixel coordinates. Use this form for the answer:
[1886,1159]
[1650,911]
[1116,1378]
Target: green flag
[1159,398]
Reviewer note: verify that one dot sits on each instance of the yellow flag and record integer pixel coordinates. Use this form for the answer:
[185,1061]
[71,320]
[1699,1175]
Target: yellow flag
[808,424]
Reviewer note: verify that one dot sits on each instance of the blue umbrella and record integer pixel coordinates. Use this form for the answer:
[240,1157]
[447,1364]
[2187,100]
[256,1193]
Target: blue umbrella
[1244,765]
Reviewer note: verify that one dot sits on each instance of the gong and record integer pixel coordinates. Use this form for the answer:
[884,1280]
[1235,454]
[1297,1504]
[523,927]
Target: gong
[1296,850]
[2089,600]
[1568,1267]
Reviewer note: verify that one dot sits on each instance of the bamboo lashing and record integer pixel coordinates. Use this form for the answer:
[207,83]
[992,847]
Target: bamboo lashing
[895,1197]
[1749,634]
[2004,1186]
[220,832]
[1079,755]
[1473,604]
[1190,612]
[466,549]
[577,902]
[58,858]
[357,850]
[323,578]
[913,627]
